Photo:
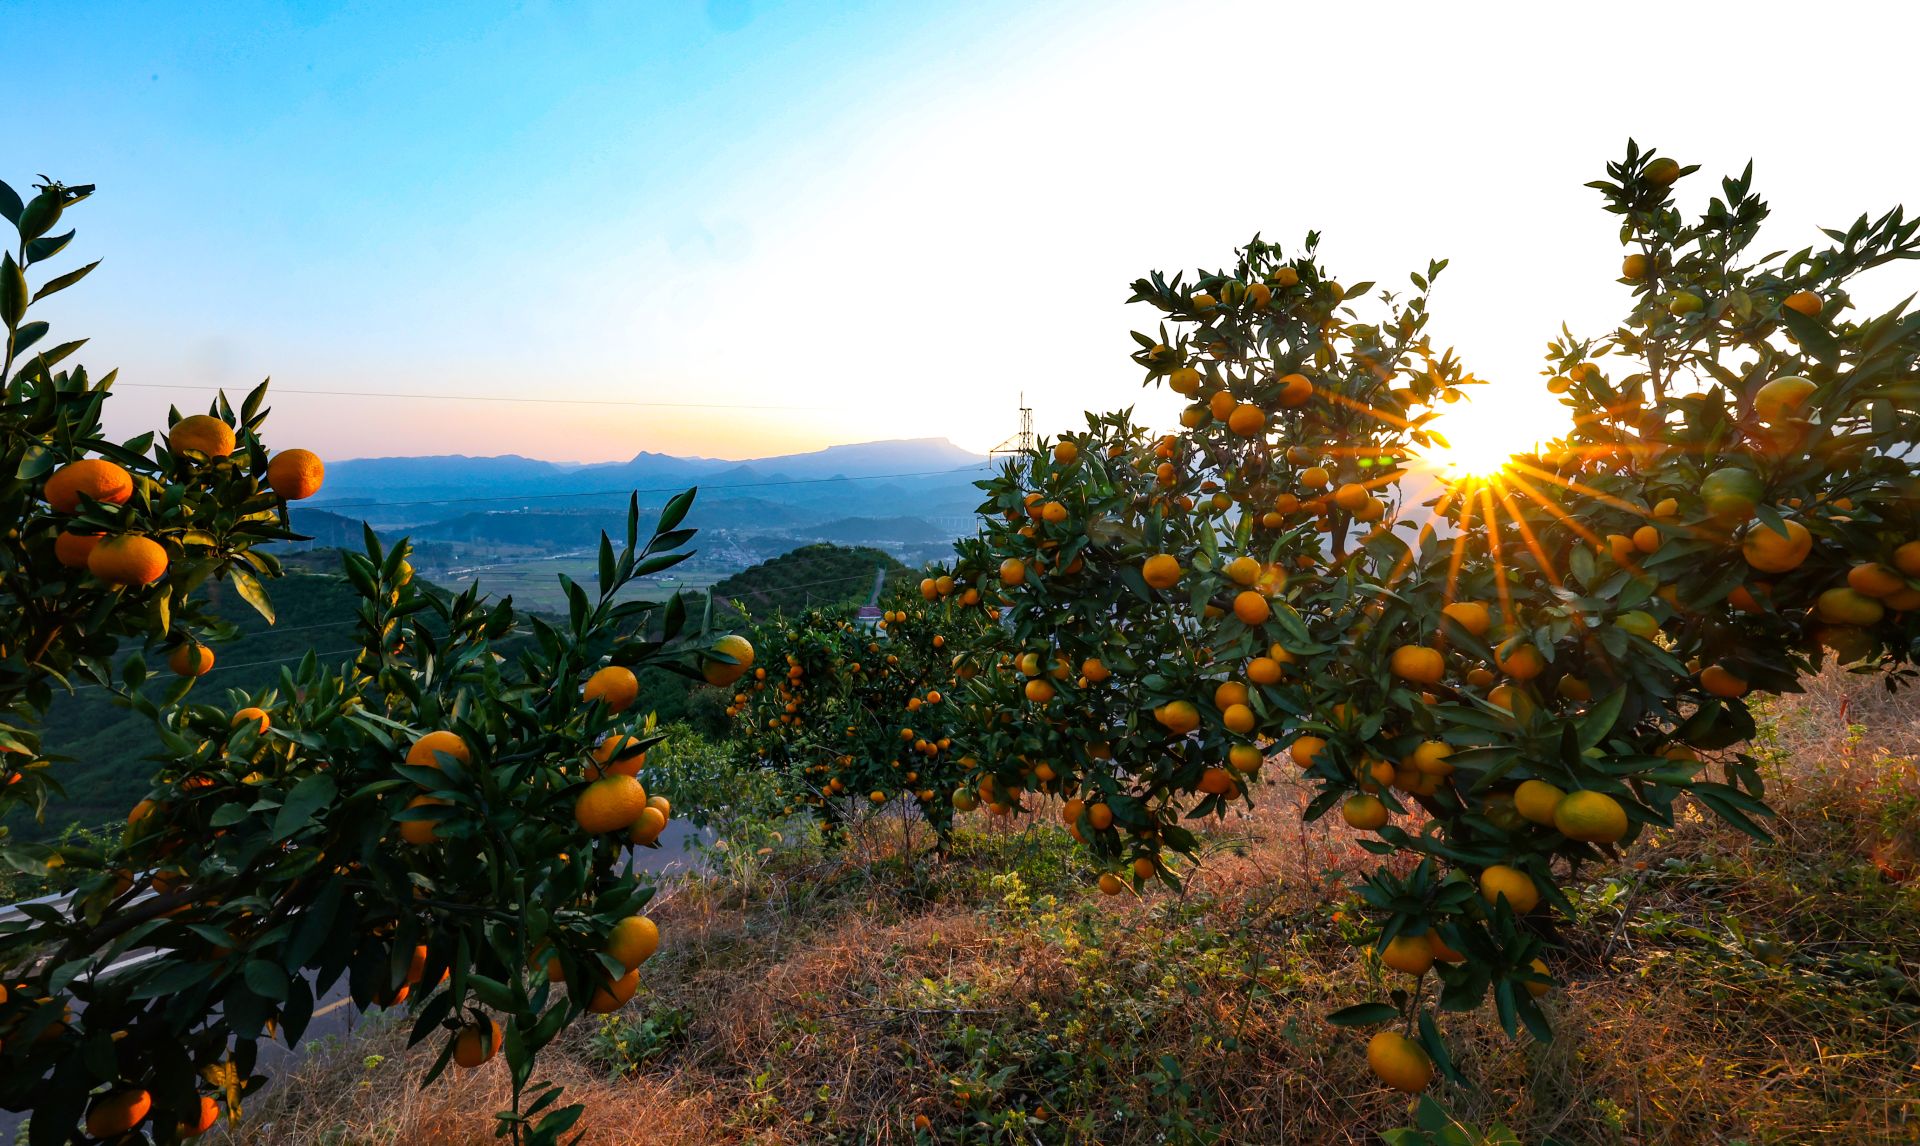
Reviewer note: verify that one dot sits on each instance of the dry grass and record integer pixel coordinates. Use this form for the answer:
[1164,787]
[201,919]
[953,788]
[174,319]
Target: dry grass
[1722,990]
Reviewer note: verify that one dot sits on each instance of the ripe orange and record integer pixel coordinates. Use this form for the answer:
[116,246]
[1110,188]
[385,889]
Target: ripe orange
[1244,758]
[427,750]
[296,474]
[1782,397]
[1251,607]
[103,481]
[653,821]
[611,995]
[1907,558]
[1772,552]
[1110,884]
[202,433]
[73,549]
[1364,812]
[1405,952]
[1351,496]
[1295,389]
[475,1044]
[258,716]
[1520,660]
[128,559]
[191,660]
[1178,717]
[721,673]
[1238,718]
[420,832]
[1472,616]
[1634,267]
[1721,682]
[1805,302]
[616,687]
[1039,690]
[1430,758]
[633,941]
[1517,886]
[201,1121]
[1875,580]
[1848,607]
[1013,571]
[1538,989]
[117,1112]
[1305,750]
[1418,664]
[1441,952]
[1246,420]
[610,804]
[1162,571]
[1536,799]
[1647,539]
[1399,1062]
[1594,817]
[613,746]
[1315,477]
[1229,692]
[1099,817]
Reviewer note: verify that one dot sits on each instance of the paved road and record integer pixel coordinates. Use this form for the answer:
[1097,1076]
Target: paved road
[333,1013]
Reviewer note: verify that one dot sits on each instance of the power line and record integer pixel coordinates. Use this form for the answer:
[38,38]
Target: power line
[482,398]
[332,505]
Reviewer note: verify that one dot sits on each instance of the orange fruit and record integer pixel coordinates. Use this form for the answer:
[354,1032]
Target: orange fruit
[475,1044]
[420,832]
[1782,397]
[614,686]
[1099,817]
[1039,691]
[1094,670]
[1804,302]
[1178,717]
[1520,660]
[1848,607]
[1441,952]
[1772,552]
[1110,884]
[1238,718]
[191,660]
[1721,682]
[128,559]
[1230,692]
[721,673]
[1162,571]
[1538,989]
[613,746]
[1242,570]
[1634,267]
[1305,750]
[1535,800]
[1430,758]
[1295,390]
[1875,580]
[1246,420]
[652,821]
[1399,1062]
[103,481]
[202,433]
[1418,664]
[1472,616]
[117,1112]
[1406,952]
[1364,812]
[1251,607]
[202,1120]
[73,549]
[258,716]
[1647,539]
[1907,559]
[427,750]
[1351,496]
[1593,817]
[296,474]
[609,804]
[1662,172]
[1216,782]
[633,941]
[1517,886]
[611,995]
[1244,758]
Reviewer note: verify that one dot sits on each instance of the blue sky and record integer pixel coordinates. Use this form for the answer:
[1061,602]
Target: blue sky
[900,216]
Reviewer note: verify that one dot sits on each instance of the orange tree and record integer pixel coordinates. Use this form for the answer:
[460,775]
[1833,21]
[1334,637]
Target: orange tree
[441,822]
[1515,686]
[856,717]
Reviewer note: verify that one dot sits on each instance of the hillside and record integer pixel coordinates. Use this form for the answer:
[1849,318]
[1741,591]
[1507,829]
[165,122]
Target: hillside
[809,577]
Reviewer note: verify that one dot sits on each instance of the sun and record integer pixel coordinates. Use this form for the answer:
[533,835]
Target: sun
[1483,436]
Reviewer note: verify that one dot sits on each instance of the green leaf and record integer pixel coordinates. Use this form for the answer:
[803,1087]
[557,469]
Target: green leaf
[307,797]
[253,593]
[1363,1014]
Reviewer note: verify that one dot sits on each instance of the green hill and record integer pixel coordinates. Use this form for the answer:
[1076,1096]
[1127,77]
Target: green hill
[810,577]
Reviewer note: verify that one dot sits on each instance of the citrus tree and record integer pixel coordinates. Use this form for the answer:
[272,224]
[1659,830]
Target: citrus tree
[859,718]
[1502,677]
[442,822]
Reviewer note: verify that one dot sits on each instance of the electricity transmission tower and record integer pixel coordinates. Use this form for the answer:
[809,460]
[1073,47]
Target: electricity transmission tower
[1021,442]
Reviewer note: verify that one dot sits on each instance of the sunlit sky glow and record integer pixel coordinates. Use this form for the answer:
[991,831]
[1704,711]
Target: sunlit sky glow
[899,216]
